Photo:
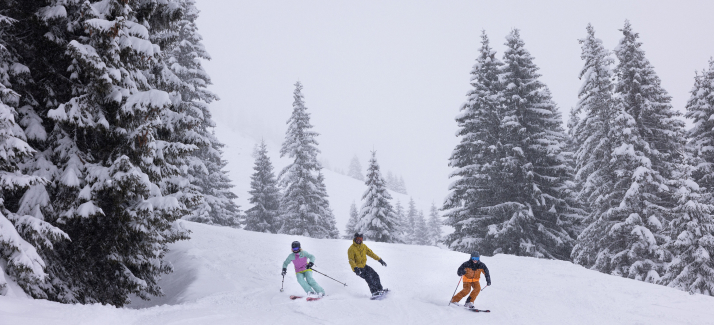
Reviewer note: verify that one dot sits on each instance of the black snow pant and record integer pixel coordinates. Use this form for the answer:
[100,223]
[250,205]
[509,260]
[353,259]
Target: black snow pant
[372,279]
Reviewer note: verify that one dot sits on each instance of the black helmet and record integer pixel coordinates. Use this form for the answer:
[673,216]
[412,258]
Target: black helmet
[475,254]
[358,235]
[296,244]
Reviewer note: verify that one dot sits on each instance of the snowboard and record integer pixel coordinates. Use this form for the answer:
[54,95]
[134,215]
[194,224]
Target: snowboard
[380,297]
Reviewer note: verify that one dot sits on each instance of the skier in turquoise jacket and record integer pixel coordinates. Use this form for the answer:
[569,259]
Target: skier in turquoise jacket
[303,270]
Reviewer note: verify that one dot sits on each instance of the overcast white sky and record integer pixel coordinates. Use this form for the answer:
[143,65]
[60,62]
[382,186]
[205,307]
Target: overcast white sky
[391,75]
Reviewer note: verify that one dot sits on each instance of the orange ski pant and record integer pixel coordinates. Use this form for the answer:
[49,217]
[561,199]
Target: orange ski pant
[467,287]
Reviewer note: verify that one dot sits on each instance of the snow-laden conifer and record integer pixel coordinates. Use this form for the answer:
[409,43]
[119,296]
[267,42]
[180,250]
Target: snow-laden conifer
[476,159]
[401,222]
[106,157]
[510,193]
[619,165]
[410,221]
[692,230]
[421,230]
[434,225]
[264,216]
[355,170]
[700,108]
[352,223]
[304,206]
[21,234]
[692,241]
[191,151]
[377,220]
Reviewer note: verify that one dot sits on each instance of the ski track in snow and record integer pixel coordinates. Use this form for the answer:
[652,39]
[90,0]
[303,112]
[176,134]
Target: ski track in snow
[231,276]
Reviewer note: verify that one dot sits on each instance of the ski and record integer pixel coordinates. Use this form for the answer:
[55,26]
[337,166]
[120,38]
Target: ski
[479,310]
[312,299]
[295,297]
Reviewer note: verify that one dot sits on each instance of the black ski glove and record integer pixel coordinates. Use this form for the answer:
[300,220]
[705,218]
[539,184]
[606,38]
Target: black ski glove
[285,271]
[309,265]
[460,273]
[488,283]
[381,261]
[359,271]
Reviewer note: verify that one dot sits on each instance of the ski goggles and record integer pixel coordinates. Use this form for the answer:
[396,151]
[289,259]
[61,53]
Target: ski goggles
[475,258]
[295,249]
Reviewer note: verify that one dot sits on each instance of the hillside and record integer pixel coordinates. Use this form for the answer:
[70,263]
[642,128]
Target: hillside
[229,276]
[342,190]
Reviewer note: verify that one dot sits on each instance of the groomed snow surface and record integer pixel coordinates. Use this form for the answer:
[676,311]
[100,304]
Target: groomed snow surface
[231,276]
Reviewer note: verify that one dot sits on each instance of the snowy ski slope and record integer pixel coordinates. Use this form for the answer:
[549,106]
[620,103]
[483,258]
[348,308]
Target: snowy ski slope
[229,276]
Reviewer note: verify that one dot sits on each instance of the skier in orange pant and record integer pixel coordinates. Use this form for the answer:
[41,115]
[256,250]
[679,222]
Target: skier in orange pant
[471,271]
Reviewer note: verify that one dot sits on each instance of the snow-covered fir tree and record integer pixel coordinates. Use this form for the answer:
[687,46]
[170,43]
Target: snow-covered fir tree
[401,222]
[186,136]
[627,176]
[102,151]
[701,137]
[434,225]
[327,218]
[355,170]
[351,227]
[400,187]
[264,216]
[410,223]
[377,220]
[421,230]
[692,241]
[476,158]
[511,171]
[692,230]
[21,234]
[304,206]
[390,181]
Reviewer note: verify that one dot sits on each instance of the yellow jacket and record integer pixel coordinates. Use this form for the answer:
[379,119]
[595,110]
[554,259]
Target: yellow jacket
[357,254]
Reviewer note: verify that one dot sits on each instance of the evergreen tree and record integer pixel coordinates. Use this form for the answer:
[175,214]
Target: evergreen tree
[401,222]
[510,195]
[628,196]
[662,140]
[21,234]
[692,242]
[421,230]
[352,223]
[593,135]
[186,125]
[377,220]
[355,170]
[264,215]
[477,157]
[104,154]
[701,137]
[692,231]
[400,186]
[410,224]
[434,225]
[304,205]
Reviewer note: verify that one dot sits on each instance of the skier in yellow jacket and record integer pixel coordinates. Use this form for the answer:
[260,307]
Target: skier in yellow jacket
[357,255]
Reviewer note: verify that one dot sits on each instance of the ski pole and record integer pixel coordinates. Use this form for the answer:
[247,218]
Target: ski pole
[329,277]
[457,288]
[281,285]
[484,288]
